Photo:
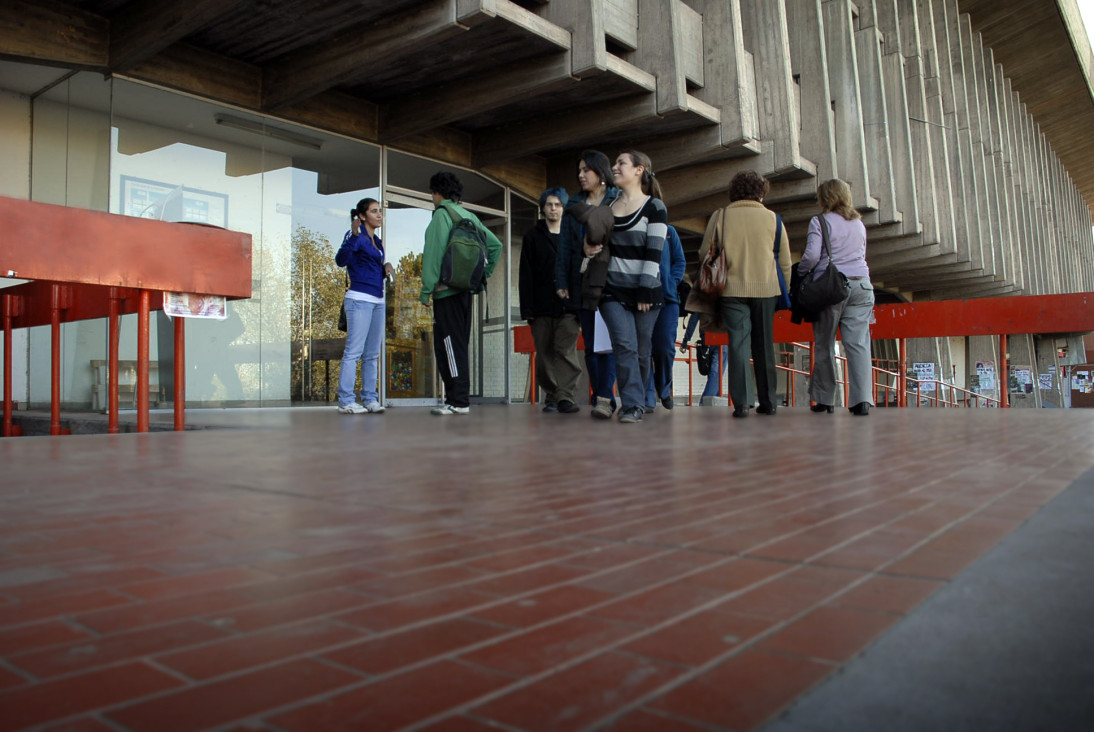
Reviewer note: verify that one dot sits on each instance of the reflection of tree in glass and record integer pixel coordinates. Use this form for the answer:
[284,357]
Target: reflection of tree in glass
[412,318]
[318,286]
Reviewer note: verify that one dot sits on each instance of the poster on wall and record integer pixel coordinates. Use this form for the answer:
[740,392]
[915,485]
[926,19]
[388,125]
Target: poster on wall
[1081,382]
[985,370]
[1021,380]
[1044,381]
[923,372]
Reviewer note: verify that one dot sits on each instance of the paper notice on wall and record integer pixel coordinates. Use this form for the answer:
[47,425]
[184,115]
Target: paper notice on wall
[1021,380]
[1080,382]
[985,370]
[192,305]
[923,372]
[1044,381]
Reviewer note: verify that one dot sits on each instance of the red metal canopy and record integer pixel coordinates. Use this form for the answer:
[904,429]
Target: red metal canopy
[87,264]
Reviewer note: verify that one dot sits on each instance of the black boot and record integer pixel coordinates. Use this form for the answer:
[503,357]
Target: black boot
[861,409]
[822,408]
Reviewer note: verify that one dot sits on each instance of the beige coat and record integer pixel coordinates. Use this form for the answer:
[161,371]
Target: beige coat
[746,230]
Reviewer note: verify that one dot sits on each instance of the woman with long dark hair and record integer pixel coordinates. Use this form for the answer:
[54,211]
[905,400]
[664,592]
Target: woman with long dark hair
[633,294]
[362,254]
[851,316]
[594,176]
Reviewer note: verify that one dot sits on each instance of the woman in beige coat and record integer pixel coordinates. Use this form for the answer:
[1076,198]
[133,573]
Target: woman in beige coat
[745,230]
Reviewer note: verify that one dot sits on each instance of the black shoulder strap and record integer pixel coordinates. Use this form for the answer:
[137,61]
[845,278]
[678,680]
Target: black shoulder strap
[826,236]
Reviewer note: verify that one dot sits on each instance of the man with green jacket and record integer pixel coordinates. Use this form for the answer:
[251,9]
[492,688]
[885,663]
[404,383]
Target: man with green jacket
[451,307]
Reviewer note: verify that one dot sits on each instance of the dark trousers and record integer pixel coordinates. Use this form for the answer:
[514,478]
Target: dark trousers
[451,336]
[557,364]
[664,353]
[750,322]
[601,366]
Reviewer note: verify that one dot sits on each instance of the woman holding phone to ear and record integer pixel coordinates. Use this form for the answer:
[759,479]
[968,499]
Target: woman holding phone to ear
[362,254]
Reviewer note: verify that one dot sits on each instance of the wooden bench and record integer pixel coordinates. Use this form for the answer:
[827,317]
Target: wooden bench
[127,384]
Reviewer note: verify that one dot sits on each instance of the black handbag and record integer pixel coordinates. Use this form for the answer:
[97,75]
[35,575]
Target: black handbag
[704,357]
[342,325]
[814,295]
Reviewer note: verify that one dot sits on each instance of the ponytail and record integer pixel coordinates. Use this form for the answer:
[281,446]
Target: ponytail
[650,184]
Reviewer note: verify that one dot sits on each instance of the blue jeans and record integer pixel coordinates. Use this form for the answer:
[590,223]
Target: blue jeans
[364,334]
[717,369]
[601,366]
[664,354]
[632,336]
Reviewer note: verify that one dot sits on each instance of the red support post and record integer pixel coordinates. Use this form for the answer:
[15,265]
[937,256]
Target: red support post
[180,373]
[143,338]
[112,365]
[1004,373]
[55,360]
[902,374]
[8,306]
[691,378]
[532,377]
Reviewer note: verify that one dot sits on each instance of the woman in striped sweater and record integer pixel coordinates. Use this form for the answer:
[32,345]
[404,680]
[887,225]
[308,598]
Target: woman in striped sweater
[633,294]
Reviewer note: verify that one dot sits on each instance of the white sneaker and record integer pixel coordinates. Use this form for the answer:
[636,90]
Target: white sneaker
[449,409]
[352,408]
[374,407]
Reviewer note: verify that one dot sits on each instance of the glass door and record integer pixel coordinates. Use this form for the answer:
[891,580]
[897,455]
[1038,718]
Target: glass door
[410,372]
[489,345]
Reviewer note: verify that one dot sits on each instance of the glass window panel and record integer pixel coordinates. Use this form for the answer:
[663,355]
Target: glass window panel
[413,173]
[410,366]
[70,166]
[524,214]
[291,188]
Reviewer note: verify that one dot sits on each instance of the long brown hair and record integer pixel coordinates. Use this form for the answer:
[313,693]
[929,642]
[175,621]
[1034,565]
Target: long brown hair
[835,196]
[650,186]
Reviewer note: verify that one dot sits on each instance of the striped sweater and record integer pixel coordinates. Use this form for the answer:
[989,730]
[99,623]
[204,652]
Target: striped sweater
[634,273]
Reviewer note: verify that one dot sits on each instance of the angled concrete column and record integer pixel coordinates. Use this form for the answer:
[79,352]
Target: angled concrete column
[933,120]
[585,21]
[876,136]
[843,76]
[777,106]
[809,67]
[906,200]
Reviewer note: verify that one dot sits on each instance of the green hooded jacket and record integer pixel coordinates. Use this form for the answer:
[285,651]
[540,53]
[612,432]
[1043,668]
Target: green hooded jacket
[436,243]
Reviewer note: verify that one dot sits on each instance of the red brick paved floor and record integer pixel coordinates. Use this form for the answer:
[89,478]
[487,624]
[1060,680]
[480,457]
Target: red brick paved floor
[506,570]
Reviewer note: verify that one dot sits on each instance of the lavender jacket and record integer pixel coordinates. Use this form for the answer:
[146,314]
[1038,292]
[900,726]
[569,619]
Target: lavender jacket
[847,244]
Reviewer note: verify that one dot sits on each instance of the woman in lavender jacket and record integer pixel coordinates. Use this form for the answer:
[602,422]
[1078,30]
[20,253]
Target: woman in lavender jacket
[852,316]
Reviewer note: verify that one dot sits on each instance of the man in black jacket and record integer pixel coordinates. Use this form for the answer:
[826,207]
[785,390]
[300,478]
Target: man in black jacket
[554,330]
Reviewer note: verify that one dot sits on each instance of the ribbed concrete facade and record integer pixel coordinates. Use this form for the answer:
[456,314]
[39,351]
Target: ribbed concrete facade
[962,193]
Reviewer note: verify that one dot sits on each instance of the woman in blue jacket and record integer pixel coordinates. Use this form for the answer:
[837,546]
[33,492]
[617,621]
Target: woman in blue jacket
[594,175]
[362,254]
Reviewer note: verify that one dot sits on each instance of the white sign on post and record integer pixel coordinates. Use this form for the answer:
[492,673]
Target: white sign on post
[923,372]
[986,371]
